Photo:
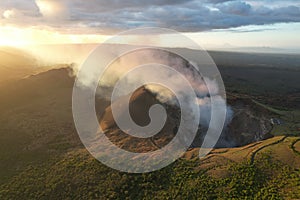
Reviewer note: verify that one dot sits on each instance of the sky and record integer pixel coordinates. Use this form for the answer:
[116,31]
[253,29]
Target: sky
[211,23]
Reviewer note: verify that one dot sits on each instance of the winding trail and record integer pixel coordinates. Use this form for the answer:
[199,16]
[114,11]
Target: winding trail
[294,148]
[254,153]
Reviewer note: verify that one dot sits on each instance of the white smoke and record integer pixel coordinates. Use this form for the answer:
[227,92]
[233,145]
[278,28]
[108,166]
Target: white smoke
[202,86]
[76,54]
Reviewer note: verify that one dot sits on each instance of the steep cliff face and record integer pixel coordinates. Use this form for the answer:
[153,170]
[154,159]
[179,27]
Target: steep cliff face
[250,123]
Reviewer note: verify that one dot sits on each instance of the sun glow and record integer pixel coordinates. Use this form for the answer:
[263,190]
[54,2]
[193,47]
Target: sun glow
[15,36]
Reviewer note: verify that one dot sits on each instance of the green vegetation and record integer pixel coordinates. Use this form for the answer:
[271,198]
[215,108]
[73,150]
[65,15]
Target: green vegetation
[290,120]
[78,176]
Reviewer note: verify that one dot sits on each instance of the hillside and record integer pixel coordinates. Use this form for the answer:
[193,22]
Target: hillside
[15,64]
[42,156]
[36,120]
[225,173]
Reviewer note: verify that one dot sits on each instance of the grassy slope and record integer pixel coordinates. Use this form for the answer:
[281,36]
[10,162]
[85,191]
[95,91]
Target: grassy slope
[225,173]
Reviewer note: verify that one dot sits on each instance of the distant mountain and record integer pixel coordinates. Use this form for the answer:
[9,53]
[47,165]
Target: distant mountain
[263,49]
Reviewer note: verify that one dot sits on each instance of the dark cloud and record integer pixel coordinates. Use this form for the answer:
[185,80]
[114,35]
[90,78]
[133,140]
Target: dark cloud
[217,1]
[28,5]
[102,16]
[26,8]
[235,7]
[108,6]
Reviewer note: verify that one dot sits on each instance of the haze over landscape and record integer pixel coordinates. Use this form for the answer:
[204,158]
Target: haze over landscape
[52,50]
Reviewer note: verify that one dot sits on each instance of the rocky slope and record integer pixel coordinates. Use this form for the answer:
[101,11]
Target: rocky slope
[250,123]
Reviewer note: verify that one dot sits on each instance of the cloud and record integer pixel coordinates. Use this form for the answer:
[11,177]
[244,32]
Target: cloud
[27,8]
[101,16]
[108,6]
[235,8]
[9,14]
[52,9]
[217,1]
[28,5]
